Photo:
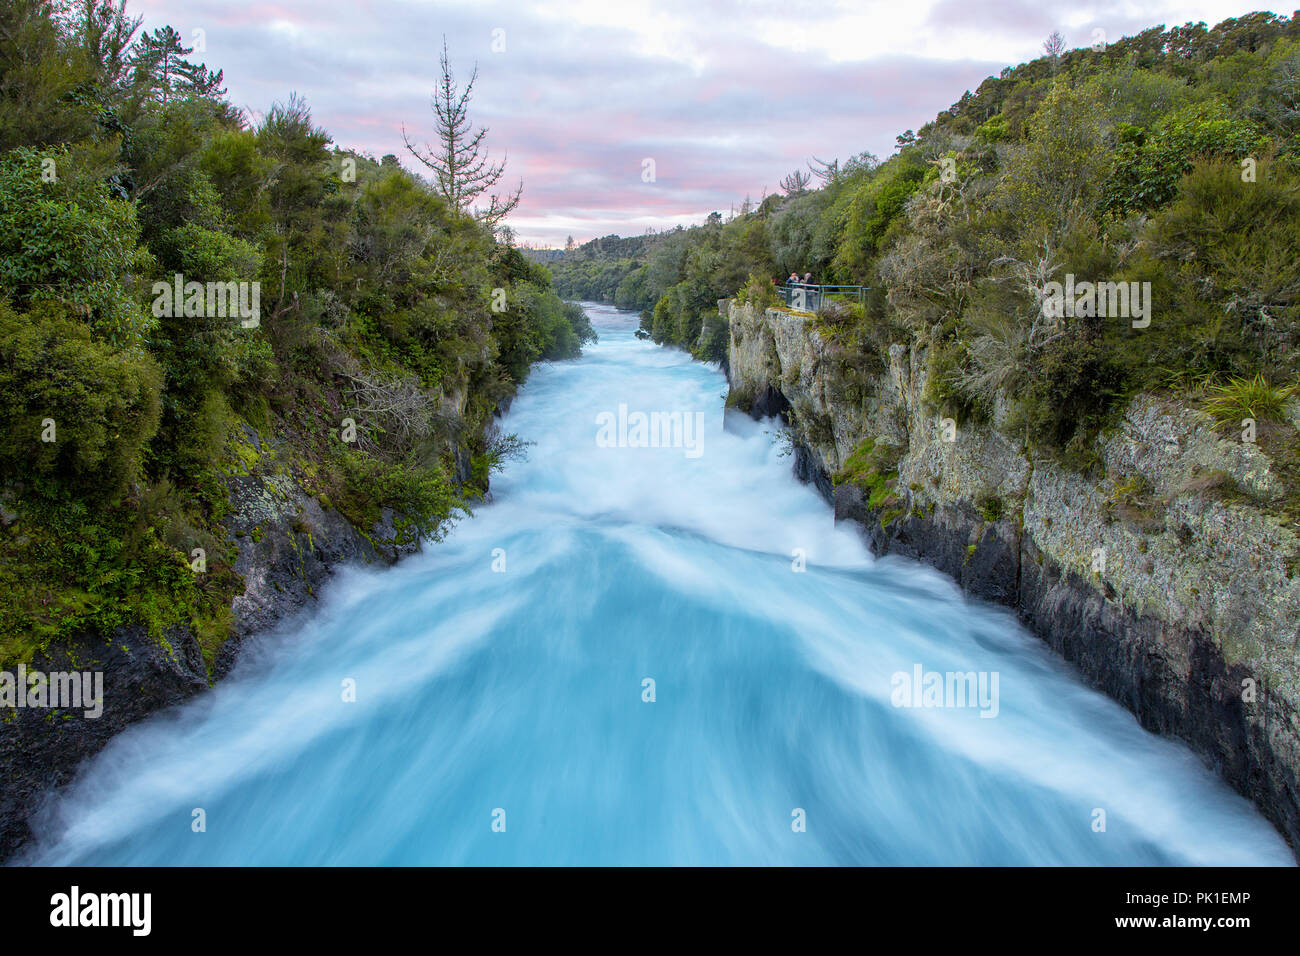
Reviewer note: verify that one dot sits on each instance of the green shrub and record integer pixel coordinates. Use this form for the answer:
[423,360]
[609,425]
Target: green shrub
[946,362]
[873,466]
[1224,262]
[66,568]
[994,130]
[1069,390]
[759,293]
[69,241]
[1149,164]
[425,503]
[103,402]
[1240,398]
[713,341]
[989,506]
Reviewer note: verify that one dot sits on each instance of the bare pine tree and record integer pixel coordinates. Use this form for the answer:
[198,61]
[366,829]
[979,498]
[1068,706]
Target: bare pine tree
[826,172]
[462,171]
[796,183]
[1054,46]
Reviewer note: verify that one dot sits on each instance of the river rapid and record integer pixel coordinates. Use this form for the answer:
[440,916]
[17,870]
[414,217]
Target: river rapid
[649,655]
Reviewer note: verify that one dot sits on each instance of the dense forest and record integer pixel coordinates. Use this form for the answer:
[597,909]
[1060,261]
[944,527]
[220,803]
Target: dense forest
[596,270]
[382,321]
[393,320]
[1171,157]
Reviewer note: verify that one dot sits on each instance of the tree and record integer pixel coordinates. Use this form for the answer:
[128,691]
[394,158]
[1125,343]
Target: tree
[569,244]
[462,170]
[160,65]
[106,33]
[1054,46]
[826,172]
[796,183]
[296,193]
[1055,185]
[52,86]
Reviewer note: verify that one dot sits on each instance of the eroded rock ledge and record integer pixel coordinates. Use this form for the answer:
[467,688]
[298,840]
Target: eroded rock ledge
[1170,595]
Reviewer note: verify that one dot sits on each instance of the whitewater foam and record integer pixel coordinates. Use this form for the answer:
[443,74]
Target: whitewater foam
[771,635]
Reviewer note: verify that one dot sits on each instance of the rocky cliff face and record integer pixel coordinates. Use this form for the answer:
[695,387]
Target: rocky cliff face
[288,544]
[1160,581]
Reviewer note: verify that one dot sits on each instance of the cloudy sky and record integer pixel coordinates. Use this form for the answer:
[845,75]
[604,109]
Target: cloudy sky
[725,98]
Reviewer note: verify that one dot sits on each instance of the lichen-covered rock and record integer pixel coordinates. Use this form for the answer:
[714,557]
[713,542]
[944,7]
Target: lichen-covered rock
[1161,582]
[288,546]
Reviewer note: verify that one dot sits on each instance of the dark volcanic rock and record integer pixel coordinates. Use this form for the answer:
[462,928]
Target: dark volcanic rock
[288,547]
[1174,680]
[288,544]
[982,556]
[42,749]
[769,403]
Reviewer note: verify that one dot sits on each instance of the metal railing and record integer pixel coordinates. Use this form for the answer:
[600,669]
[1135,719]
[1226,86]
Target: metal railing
[805,297]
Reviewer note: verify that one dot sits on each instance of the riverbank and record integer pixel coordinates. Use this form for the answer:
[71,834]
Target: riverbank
[1158,582]
[288,543]
[622,660]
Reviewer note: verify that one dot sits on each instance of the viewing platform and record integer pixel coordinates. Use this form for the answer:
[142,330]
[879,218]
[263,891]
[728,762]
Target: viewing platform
[805,297]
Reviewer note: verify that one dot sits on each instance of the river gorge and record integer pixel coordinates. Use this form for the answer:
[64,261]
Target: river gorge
[649,655]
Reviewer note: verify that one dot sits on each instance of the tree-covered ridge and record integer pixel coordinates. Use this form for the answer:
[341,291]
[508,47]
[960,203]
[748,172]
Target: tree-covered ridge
[1169,158]
[121,168]
[595,271]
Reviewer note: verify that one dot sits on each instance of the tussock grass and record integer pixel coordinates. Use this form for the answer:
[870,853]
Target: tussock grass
[1239,398]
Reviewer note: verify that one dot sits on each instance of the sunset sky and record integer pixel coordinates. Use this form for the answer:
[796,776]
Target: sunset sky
[726,98]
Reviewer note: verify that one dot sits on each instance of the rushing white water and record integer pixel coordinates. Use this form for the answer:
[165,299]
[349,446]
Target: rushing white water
[517,695]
